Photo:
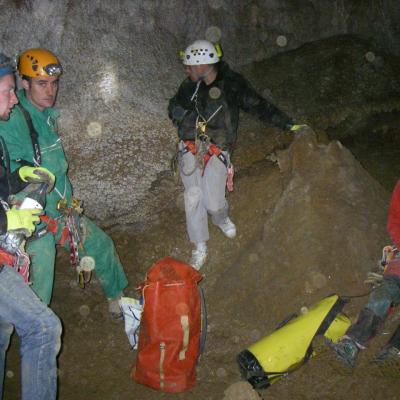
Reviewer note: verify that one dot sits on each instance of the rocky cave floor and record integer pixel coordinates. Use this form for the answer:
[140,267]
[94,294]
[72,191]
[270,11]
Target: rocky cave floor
[96,358]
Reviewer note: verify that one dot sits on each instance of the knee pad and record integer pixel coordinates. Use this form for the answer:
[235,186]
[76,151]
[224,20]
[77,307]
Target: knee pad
[192,197]
[220,213]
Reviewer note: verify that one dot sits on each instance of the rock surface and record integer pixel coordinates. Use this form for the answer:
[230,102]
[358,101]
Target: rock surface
[313,240]
[241,391]
[335,84]
[309,227]
[121,66]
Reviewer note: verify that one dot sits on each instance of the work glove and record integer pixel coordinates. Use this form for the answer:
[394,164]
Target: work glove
[374,279]
[295,128]
[22,220]
[177,114]
[37,175]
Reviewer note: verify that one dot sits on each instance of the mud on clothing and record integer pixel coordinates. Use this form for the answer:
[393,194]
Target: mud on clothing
[97,244]
[204,193]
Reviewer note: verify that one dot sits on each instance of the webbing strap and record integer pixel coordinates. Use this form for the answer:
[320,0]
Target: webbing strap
[185,341]
[324,326]
[212,150]
[34,136]
[51,223]
[5,162]
[161,366]
[19,261]
[7,258]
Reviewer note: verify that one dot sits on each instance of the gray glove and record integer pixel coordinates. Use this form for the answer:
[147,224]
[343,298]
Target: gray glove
[177,114]
[374,279]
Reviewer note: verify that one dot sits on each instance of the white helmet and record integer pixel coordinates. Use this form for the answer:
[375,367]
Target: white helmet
[201,52]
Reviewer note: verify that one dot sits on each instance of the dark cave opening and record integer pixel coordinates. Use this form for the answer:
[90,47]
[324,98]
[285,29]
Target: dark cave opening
[375,142]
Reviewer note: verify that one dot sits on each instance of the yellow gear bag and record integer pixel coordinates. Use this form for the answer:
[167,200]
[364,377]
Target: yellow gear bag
[290,346]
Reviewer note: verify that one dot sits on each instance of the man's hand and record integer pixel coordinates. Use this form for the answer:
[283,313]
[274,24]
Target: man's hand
[374,279]
[177,114]
[22,220]
[37,175]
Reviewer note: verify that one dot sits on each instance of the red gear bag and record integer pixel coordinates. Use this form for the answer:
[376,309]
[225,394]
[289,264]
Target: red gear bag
[170,328]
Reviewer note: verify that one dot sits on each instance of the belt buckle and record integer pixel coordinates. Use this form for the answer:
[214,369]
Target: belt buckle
[61,205]
[201,126]
[77,205]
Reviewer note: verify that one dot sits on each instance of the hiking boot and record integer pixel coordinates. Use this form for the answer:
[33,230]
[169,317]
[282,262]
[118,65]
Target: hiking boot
[114,309]
[228,228]
[346,351]
[391,351]
[365,328]
[199,255]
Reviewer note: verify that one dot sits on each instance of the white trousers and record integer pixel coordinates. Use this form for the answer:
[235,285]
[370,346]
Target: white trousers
[204,194]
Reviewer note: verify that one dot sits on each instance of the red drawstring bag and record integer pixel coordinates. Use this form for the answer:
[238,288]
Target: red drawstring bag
[170,327]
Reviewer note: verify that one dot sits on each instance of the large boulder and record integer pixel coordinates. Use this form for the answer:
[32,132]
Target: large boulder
[322,235]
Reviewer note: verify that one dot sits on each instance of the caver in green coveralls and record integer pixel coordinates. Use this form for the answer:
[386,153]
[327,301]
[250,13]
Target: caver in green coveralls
[96,243]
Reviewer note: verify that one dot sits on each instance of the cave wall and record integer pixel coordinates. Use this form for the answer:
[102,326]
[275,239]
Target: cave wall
[121,66]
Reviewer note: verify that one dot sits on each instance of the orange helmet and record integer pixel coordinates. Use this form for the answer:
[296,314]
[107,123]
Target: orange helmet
[39,63]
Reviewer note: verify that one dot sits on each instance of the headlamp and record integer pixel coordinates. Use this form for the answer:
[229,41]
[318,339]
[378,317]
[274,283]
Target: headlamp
[53,69]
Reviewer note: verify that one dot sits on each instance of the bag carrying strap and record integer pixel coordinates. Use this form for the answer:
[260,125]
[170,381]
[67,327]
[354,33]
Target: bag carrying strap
[37,157]
[324,326]
[161,365]
[186,332]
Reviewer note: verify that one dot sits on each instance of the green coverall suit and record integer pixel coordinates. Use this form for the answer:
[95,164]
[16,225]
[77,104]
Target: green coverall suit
[96,243]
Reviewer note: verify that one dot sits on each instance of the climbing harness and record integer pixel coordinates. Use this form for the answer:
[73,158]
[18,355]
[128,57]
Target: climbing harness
[71,215]
[202,148]
[19,261]
[73,232]
[12,254]
[37,157]
[212,150]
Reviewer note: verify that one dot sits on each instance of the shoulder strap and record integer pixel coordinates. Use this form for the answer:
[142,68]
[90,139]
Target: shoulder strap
[5,161]
[4,156]
[33,134]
